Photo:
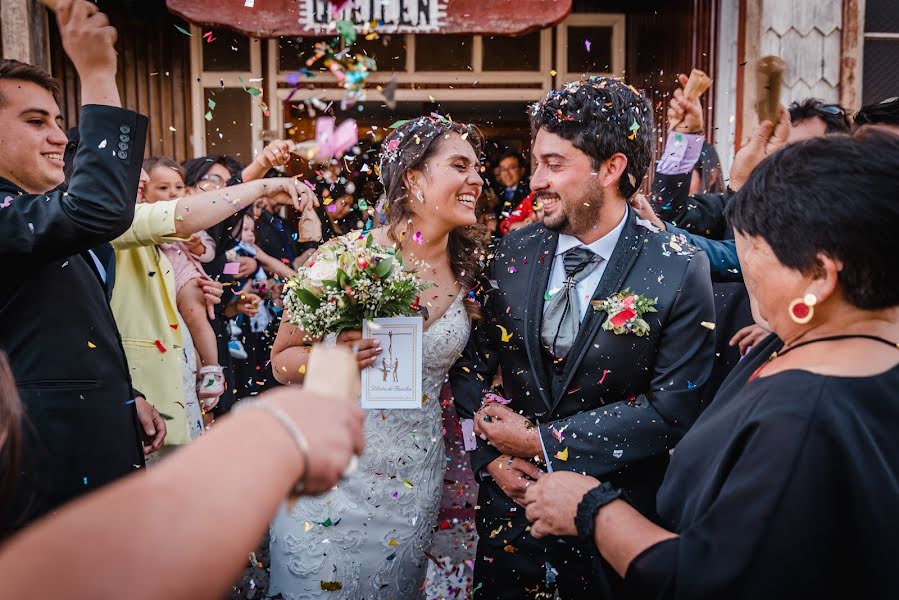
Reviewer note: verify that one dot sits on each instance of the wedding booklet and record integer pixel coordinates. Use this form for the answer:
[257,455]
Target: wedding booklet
[395,379]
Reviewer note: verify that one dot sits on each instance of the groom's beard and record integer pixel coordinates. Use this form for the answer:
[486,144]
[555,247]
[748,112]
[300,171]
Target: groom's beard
[573,216]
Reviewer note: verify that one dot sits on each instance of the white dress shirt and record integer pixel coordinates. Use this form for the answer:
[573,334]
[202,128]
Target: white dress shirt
[584,288]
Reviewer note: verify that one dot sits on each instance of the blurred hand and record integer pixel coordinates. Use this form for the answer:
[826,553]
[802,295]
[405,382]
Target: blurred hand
[766,140]
[645,211]
[514,476]
[552,502]
[153,425]
[247,303]
[684,116]
[288,191]
[212,292]
[333,429]
[87,38]
[507,431]
[195,245]
[367,350]
[248,266]
[748,337]
[276,154]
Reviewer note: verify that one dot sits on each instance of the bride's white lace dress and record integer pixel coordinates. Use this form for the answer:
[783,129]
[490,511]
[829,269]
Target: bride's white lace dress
[367,538]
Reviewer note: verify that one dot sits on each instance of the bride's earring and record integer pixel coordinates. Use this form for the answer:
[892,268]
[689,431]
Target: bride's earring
[803,309]
[419,196]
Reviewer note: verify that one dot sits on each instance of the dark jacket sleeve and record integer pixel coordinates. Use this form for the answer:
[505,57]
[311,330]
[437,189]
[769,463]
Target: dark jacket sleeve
[472,376]
[99,204]
[761,537]
[604,440]
[702,214]
[723,260]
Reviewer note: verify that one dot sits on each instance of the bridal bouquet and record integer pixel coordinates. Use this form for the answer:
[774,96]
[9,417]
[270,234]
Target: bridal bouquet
[351,279]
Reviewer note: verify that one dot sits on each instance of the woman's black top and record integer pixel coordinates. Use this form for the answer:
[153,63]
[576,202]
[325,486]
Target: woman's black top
[787,486]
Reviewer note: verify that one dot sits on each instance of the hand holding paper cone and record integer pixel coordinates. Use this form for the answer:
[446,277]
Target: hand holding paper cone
[770,74]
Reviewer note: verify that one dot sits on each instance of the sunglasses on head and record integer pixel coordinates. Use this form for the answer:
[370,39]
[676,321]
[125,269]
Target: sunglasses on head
[832,109]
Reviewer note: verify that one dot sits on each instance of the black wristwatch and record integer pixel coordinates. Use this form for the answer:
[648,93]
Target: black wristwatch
[590,504]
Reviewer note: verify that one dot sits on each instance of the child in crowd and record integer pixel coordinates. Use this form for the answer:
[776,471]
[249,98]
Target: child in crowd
[256,328]
[166,184]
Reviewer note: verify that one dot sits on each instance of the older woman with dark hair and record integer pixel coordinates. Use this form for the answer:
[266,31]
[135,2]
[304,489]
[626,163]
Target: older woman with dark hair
[788,484]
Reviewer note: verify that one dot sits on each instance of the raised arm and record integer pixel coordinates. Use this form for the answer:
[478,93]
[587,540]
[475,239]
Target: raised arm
[40,225]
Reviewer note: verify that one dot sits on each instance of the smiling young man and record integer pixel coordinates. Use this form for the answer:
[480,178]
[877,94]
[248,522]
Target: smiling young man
[82,428]
[596,321]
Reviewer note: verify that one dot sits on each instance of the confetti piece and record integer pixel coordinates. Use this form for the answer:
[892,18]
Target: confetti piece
[6,202]
[416,237]
[184,31]
[587,45]
[469,442]
[708,325]
[506,336]
[408,484]
[393,543]
[562,454]
[512,269]
[510,549]
[604,373]
[249,3]
[159,346]
[91,345]
[102,145]
[307,526]
[231,268]
[553,72]
[208,37]
[331,586]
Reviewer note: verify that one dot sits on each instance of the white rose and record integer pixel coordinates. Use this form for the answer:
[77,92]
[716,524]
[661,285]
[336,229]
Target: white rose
[322,270]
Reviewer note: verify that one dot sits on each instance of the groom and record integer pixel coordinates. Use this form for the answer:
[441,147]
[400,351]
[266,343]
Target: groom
[602,389]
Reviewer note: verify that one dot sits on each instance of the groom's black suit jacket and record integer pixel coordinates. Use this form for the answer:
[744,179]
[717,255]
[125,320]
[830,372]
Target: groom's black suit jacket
[622,401]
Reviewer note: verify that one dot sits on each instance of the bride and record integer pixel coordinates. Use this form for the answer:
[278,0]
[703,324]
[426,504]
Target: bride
[368,537]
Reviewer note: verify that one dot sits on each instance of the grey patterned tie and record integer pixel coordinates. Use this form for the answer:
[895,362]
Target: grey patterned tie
[562,317]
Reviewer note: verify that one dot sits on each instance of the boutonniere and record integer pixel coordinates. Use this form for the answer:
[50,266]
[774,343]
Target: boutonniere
[626,310]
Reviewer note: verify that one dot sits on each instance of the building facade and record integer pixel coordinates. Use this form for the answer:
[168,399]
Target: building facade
[226,81]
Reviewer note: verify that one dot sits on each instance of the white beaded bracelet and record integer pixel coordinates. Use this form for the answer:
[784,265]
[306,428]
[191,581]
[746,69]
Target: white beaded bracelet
[292,428]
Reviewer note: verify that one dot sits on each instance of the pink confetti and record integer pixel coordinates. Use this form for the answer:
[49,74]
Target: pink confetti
[332,208]
[231,268]
[513,269]
[469,442]
[416,237]
[6,202]
[604,373]
[392,145]
[587,44]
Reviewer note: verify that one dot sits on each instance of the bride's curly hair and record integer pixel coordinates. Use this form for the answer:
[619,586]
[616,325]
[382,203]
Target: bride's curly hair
[408,148]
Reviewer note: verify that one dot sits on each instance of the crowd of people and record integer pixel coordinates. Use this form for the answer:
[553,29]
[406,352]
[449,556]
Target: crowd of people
[641,378]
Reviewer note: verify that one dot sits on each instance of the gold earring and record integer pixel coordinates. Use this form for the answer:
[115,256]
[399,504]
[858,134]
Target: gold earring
[803,309]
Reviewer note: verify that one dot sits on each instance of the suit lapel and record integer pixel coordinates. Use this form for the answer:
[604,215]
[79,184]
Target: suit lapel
[620,263]
[542,260]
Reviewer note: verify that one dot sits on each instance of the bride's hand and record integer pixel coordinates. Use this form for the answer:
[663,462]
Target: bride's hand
[367,350]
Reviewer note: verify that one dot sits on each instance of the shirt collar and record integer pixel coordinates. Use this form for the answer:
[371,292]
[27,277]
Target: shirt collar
[604,246]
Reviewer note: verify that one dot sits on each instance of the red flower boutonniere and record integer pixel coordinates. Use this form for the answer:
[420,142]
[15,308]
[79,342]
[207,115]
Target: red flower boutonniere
[626,310]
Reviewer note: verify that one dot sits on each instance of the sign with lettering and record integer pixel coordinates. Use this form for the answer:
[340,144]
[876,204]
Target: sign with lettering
[389,16]
[299,18]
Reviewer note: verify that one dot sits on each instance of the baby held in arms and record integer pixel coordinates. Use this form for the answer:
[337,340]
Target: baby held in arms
[167,184]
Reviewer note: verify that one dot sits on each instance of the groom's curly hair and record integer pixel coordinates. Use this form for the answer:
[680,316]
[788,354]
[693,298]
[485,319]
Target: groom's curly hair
[601,117]
[409,147]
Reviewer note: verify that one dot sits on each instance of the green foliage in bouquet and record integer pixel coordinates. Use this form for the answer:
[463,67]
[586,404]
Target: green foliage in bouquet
[351,279]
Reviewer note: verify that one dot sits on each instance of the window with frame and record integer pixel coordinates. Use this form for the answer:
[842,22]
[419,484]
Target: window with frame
[880,52]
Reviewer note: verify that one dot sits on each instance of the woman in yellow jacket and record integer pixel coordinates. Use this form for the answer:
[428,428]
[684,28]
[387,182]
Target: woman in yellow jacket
[143,299]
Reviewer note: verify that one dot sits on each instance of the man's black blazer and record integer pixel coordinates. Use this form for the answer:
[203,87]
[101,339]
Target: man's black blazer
[623,401]
[56,324]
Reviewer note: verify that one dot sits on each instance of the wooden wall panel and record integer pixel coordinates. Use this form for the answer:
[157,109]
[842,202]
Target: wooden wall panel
[153,77]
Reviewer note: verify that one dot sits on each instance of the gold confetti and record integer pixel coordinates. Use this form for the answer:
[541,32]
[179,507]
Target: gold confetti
[562,454]
[331,586]
[709,326]
[91,345]
[307,526]
[407,483]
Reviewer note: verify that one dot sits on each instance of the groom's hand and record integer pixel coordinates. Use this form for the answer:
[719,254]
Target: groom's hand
[513,476]
[507,431]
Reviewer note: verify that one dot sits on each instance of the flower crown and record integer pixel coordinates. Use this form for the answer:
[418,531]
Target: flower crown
[423,129]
